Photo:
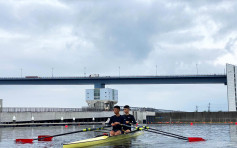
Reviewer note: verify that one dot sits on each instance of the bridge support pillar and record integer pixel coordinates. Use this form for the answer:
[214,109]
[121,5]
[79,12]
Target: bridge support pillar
[99,85]
[0,105]
[231,73]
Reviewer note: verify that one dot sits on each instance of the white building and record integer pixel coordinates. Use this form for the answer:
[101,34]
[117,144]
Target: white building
[101,98]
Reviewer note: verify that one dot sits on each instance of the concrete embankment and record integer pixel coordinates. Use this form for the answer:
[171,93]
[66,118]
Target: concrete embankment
[59,118]
[183,117]
[21,117]
[50,124]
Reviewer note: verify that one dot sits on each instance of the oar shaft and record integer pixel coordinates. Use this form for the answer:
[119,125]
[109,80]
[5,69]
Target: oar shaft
[167,133]
[162,133]
[189,139]
[49,138]
[84,130]
[183,138]
[59,135]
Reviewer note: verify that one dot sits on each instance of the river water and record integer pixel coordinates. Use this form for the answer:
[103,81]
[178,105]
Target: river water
[217,135]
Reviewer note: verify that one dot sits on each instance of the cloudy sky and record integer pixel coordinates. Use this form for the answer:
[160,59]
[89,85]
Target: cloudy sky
[91,36]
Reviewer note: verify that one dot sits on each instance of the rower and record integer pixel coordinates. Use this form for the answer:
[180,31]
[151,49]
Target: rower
[128,118]
[116,122]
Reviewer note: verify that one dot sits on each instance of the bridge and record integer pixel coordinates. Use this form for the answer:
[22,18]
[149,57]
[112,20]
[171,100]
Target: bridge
[230,79]
[100,82]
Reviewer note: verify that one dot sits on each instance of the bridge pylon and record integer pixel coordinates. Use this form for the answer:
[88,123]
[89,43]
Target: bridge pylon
[231,74]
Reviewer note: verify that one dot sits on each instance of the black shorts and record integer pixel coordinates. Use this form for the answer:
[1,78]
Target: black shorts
[126,128]
[115,130]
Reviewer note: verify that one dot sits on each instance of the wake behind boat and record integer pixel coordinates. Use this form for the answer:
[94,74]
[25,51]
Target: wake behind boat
[102,140]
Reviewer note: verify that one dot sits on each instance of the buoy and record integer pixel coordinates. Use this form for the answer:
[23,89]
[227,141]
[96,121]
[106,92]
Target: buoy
[191,123]
[66,126]
[235,123]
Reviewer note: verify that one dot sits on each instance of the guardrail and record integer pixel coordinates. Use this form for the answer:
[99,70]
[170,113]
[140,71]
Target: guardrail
[135,76]
[83,109]
[150,109]
[47,109]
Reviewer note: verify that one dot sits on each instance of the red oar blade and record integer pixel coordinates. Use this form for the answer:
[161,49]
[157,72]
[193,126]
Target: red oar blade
[24,141]
[42,138]
[195,139]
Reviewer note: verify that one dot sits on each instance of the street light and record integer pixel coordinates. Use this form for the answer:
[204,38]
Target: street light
[119,71]
[197,68]
[52,71]
[21,72]
[84,71]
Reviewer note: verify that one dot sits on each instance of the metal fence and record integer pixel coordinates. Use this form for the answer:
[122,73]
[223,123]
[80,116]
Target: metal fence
[83,109]
[149,109]
[47,109]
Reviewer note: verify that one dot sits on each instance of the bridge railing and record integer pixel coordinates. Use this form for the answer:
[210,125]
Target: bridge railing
[149,109]
[83,109]
[47,109]
[123,76]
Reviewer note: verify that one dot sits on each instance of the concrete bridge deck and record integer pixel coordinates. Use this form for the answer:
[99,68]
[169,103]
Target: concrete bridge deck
[101,81]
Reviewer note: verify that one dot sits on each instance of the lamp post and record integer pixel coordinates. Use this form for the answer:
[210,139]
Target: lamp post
[52,71]
[21,72]
[197,68]
[84,71]
[119,70]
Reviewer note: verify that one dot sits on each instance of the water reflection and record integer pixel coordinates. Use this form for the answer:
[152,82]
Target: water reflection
[126,143]
[0,134]
[233,133]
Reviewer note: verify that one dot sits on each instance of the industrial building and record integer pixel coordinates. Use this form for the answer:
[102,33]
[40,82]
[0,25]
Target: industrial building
[101,98]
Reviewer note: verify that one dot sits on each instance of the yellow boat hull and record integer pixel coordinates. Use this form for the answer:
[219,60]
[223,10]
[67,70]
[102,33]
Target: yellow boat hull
[101,140]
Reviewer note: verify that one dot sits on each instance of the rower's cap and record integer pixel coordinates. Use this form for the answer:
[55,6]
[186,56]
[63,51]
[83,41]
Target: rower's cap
[118,107]
[126,106]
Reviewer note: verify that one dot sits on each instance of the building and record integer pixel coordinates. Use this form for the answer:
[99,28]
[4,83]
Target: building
[101,98]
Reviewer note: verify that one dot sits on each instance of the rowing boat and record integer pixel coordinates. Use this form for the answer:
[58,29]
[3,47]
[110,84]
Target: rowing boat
[102,140]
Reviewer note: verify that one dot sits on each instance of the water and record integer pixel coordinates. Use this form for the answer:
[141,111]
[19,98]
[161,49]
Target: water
[217,135]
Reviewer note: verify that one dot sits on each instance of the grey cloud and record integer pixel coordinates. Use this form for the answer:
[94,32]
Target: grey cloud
[231,45]
[102,35]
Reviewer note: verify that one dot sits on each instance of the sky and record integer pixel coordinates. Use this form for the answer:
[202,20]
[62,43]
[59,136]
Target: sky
[83,37]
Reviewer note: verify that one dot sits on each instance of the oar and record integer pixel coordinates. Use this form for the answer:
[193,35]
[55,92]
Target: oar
[49,138]
[148,128]
[190,139]
[175,135]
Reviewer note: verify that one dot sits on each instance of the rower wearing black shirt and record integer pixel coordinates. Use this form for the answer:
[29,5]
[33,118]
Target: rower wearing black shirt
[116,122]
[129,119]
